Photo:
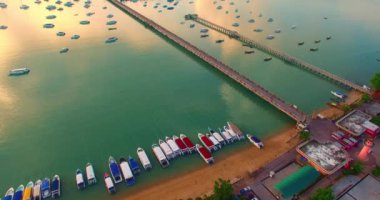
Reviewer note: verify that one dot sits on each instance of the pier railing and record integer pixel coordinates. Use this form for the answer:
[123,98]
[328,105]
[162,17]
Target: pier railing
[277,102]
[281,55]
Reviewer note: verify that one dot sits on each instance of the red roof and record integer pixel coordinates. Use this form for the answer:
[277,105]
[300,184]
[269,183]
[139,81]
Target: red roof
[207,141]
[188,142]
[205,153]
[180,144]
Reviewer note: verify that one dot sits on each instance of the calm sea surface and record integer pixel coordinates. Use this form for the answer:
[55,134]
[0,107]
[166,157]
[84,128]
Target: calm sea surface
[108,99]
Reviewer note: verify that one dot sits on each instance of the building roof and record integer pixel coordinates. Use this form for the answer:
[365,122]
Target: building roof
[297,182]
[327,157]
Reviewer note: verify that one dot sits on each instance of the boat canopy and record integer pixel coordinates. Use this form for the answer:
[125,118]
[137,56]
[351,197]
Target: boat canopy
[79,178]
[90,172]
[167,150]
[143,157]
[255,139]
[109,183]
[173,145]
[158,152]
[126,170]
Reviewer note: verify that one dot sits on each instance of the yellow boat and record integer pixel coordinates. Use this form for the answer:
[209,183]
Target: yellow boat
[28,192]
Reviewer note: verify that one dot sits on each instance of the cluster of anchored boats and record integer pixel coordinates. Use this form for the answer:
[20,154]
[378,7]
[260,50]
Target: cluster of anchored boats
[166,151]
[36,191]
[126,169]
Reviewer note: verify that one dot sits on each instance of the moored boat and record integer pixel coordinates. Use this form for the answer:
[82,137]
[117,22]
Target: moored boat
[314,49]
[227,137]
[234,136]
[164,162]
[217,136]
[144,160]
[64,50]
[134,165]
[166,149]
[19,192]
[114,169]
[207,142]
[206,155]
[235,129]
[9,194]
[182,146]
[214,141]
[127,172]
[19,71]
[111,40]
[45,188]
[37,190]
[56,187]
[109,184]
[91,178]
[189,144]
[267,59]
[80,180]
[28,191]
[301,43]
[256,141]
[219,41]
[176,150]
[338,94]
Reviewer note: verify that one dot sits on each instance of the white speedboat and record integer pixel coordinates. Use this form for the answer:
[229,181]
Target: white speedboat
[338,94]
[256,141]
[164,162]
[80,180]
[91,178]
[19,71]
[144,160]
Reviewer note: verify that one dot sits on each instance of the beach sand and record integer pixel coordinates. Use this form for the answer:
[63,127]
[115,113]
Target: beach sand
[238,165]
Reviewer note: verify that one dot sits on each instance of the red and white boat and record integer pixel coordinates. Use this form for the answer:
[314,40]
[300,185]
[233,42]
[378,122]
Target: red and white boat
[190,145]
[206,155]
[182,146]
[109,184]
[207,142]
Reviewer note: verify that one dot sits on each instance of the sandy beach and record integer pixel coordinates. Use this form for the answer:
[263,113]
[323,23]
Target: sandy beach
[238,165]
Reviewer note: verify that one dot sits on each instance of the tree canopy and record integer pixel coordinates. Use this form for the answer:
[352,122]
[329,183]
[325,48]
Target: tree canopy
[375,81]
[223,190]
[323,194]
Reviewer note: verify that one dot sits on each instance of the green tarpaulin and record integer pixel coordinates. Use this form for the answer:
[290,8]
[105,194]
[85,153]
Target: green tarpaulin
[297,182]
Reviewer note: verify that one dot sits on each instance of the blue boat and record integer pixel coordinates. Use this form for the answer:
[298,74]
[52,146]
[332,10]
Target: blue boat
[45,188]
[56,187]
[114,169]
[134,165]
[19,192]
[256,141]
[9,194]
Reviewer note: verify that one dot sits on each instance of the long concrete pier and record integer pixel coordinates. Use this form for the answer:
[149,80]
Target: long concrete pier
[281,55]
[277,102]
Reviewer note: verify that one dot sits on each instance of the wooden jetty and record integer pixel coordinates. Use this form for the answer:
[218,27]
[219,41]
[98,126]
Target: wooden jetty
[289,109]
[279,54]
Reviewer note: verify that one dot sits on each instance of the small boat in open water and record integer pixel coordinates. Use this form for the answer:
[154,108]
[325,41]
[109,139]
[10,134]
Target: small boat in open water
[114,169]
[267,59]
[111,40]
[56,187]
[134,165]
[109,184]
[164,162]
[9,194]
[64,50]
[45,188]
[19,192]
[256,141]
[219,41]
[207,142]
[301,43]
[249,52]
[28,191]
[37,190]
[91,178]
[206,155]
[48,25]
[190,145]
[182,146]
[314,49]
[144,160]
[19,71]
[80,180]
[127,172]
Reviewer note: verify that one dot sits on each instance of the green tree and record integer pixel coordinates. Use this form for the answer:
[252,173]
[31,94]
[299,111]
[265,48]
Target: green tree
[223,190]
[305,135]
[366,98]
[375,81]
[355,169]
[376,120]
[323,194]
[376,171]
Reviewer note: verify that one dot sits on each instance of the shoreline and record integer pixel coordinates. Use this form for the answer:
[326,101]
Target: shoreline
[234,166]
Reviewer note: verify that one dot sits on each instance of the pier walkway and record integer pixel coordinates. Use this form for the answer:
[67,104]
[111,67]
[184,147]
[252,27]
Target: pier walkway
[277,102]
[281,55]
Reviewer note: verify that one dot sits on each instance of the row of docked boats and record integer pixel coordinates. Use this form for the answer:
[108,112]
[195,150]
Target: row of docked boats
[36,191]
